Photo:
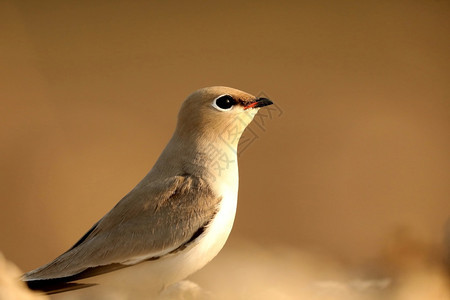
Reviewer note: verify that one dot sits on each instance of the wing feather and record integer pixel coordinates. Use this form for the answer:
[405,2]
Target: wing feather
[152,220]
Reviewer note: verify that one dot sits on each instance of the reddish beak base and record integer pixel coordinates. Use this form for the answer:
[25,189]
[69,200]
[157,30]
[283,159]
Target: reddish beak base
[251,105]
[259,102]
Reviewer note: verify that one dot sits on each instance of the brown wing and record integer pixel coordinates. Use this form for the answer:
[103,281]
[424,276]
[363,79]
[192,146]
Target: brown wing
[149,222]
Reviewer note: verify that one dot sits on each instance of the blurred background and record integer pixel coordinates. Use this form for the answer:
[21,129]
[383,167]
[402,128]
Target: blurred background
[352,167]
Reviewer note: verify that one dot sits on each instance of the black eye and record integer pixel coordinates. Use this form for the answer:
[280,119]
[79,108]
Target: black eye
[223,102]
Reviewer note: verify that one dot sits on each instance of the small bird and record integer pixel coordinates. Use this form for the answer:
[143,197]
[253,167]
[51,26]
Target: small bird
[178,217]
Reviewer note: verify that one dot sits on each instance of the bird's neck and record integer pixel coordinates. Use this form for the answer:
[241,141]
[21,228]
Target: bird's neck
[211,158]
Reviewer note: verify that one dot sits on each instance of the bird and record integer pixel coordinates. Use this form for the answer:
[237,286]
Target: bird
[177,218]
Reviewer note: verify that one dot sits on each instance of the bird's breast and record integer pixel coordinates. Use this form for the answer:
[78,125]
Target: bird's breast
[210,242]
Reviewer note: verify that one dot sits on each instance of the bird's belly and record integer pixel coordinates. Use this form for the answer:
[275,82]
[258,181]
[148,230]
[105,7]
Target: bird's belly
[209,244]
[150,277]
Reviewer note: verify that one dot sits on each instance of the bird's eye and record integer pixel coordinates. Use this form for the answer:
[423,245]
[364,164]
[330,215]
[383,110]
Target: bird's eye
[223,102]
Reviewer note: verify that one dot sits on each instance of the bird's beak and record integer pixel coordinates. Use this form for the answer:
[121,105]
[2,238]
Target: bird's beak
[259,102]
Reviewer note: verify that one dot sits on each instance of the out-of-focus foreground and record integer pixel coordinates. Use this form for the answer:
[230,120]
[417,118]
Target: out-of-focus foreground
[249,271]
[343,187]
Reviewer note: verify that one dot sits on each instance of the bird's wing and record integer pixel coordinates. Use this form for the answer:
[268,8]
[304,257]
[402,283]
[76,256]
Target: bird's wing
[153,220]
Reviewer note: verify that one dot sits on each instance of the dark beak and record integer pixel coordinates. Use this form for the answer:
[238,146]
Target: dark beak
[259,102]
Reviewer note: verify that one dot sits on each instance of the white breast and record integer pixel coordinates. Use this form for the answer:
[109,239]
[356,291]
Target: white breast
[217,232]
[182,264]
[209,244]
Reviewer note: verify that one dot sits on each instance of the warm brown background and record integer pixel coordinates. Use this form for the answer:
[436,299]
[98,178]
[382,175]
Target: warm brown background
[89,95]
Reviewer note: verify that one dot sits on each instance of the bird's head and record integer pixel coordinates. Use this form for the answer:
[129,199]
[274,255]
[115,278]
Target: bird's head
[218,111]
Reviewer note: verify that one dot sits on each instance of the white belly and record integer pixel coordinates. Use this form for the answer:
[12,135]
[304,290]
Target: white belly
[149,278]
[209,244]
